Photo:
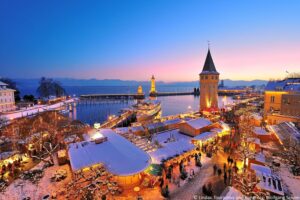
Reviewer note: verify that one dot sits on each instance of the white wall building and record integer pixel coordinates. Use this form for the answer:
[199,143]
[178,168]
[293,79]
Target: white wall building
[7,98]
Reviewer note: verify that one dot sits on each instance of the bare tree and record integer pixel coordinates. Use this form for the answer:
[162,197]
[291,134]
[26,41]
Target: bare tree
[91,184]
[48,152]
[292,153]
[50,87]
[3,122]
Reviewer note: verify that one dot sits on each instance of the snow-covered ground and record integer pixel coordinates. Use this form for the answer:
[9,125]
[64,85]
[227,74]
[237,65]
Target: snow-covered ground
[293,182]
[20,189]
[34,110]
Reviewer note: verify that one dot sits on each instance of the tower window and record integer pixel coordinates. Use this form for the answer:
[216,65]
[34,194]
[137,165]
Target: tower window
[272,99]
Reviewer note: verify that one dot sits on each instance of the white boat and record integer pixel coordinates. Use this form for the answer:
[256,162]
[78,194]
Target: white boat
[147,110]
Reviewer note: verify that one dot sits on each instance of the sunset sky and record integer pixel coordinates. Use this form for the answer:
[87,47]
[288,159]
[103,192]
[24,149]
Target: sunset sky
[132,40]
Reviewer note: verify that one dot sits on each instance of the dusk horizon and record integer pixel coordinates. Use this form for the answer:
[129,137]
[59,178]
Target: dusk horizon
[118,40]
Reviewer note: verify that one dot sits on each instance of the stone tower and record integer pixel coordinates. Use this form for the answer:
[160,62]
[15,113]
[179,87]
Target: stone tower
[209,79]
[152,89]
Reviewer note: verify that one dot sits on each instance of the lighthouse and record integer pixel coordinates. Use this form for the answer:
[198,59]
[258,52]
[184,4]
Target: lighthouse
[209,79]
[152,89]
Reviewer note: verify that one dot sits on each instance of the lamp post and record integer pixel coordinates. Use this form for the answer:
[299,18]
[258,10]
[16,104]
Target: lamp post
[189,109]
[137,189]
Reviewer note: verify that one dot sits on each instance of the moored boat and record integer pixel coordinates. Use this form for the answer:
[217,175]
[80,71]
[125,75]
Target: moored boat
[147,110]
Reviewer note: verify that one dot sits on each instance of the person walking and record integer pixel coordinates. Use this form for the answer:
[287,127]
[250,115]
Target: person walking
[225,178]
[215,169]
[178,181]
[174,179]
[228,160]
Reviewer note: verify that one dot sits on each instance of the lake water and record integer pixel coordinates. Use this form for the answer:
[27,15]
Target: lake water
[100,110]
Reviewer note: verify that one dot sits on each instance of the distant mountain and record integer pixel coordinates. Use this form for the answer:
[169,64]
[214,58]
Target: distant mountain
[234,83]
[85,82]
[23,83]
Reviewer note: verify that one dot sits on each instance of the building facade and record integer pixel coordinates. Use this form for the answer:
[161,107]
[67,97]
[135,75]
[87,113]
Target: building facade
[282,101]
[7,98]
[290,104]
[209,80]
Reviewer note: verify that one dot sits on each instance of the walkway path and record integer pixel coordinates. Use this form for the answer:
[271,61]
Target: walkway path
[35,110]
[193,188]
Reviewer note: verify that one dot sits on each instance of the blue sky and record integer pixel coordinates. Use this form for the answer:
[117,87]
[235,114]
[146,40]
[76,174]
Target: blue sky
[135,39]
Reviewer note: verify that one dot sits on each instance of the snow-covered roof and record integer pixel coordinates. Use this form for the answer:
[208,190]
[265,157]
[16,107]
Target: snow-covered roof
[7,154]
[205,136]
[199,123]
[122,130]
[187,118]
[260,131]
[285,130]
[217,130]
[254,140]
[155,125]
[230,193]
[171,135]
[260,157]
[172,121]
[3,84]
[71,138]
[260,168]
[267,180]
[171,149]
[137,128]
[118,155]
[290,84]
[173,142]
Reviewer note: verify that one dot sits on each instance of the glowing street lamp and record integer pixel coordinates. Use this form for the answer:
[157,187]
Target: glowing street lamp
[137,189]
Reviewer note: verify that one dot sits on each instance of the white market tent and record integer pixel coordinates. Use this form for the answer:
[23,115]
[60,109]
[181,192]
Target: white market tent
[137,128]
[260,157]
[205,136]
[122,130]
[230,193]
[172,121]
[267,180]
[117,154]
[170,150]
[166,136]
[199,123]
[260,131]
[173,143]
